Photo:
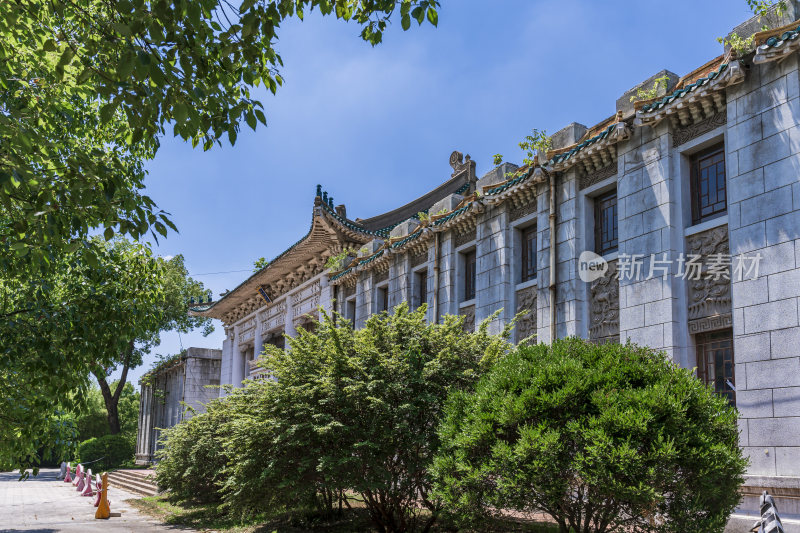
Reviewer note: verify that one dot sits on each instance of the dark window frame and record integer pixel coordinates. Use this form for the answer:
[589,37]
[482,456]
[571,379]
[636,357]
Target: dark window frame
[718,344]
[382,298]
[350,304]
[421,286]
[528,258]
[606,239]
[704,209]
[470,262]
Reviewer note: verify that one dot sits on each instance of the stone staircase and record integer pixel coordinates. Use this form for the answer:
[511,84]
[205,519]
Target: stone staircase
[136,481]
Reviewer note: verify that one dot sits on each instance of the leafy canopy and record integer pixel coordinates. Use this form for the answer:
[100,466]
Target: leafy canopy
[101,306]
[87,87]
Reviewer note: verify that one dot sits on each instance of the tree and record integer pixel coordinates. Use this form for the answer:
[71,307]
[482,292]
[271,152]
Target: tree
[88,87]
[602,438]
[152,296]
[349,411]
[92,420]
[97,308]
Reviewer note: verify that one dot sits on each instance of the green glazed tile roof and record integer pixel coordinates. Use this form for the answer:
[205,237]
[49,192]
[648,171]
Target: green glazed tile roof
[371,258]
[384,232]
[346,223]
[680,93]
[777,41]
[341,274]
[519,179]
[559,158]
[451,216]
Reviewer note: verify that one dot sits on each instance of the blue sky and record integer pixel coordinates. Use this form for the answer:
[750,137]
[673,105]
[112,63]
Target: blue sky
[376,126]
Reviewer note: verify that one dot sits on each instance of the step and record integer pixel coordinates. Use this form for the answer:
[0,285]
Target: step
[135,482]
[132,483]
[128,474]
[137,489]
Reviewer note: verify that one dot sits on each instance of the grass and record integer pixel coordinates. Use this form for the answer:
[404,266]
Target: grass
[206,516]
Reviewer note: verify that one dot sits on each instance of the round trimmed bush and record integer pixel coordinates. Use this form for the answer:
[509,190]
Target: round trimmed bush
[111,450]
[601,437]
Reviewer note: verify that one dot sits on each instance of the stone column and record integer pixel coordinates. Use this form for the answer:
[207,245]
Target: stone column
[237,374]
[257,346]
[227,360]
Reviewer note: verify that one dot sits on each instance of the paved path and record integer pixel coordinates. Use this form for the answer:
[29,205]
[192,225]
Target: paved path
[45,504]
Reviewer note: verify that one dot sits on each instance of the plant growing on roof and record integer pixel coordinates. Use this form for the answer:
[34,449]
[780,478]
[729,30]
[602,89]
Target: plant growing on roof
[334,262]
[260,263]
[423,216]
[742,45]
[497,159]
[762,7]
[652,92]
[537,142]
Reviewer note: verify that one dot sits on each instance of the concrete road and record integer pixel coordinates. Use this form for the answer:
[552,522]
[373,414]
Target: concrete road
[44,504]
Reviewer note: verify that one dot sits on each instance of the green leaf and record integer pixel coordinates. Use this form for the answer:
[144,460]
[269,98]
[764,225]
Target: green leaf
[179,112]
[107,112]
[246,5]
[108,234]
[405,21]
[251,120]
[122,29]
[433,16]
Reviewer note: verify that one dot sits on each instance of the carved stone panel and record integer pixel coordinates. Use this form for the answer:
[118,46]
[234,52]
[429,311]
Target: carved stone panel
[709,288]
[604,307]
[419,258]
[469,318]
[381,276]
[688,133]
[348,291]
[522,210]
[460,239]
[587,180]
[526,325]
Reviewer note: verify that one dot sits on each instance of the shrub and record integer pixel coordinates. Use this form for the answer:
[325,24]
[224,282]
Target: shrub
[602,438]
[192,461]
[353,411]
[111,450]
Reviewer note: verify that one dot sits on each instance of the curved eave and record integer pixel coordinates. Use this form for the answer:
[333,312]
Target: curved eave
[328,233]
[704,96]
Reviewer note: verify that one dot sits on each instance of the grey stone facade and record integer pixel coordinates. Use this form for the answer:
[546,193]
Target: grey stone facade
[167,392]
[648,157]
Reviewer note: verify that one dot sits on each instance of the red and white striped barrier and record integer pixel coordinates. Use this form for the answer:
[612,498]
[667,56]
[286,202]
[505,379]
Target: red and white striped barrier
[80,484]
[99,486]
[87,490]
[68,477]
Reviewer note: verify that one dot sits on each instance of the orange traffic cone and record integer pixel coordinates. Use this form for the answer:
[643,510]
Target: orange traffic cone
[103,510]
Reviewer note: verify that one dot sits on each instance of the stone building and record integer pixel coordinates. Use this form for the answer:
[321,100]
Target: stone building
[167,390]
[674,223]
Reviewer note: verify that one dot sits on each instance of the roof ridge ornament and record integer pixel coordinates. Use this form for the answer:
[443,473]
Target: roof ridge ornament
[460,163]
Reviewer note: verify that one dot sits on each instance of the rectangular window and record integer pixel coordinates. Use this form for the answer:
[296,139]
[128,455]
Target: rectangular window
[708,185]
[383,299]
[469,275]
[421,287]
[350,310]
[715,364]
[528,253]
[605,223]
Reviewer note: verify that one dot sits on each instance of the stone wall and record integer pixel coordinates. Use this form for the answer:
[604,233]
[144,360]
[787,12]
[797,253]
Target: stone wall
[189,380]
[763,158]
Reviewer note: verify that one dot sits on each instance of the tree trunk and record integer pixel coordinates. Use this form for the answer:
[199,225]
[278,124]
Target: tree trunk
[112,399]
